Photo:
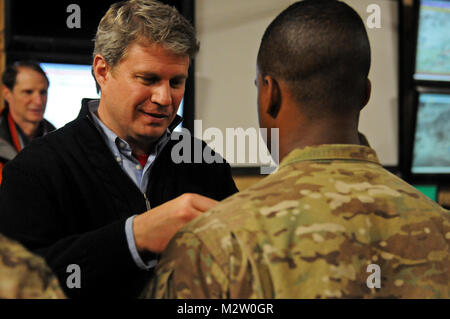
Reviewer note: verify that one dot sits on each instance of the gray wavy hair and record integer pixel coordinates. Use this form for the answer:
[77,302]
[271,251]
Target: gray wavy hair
[129,21]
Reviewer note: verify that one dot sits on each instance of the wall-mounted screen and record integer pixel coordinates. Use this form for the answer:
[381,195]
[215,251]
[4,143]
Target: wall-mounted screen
[433,41]
[431,149]
[69,84]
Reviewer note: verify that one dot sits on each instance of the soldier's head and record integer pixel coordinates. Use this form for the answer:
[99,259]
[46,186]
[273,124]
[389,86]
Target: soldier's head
[24,87]
[141,59]
[317,53]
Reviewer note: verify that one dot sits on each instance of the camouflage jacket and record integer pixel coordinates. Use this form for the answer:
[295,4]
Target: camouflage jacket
[24,275]
[330,223]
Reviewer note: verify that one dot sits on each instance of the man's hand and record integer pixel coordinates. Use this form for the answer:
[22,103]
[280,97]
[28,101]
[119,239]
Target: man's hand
[155,228]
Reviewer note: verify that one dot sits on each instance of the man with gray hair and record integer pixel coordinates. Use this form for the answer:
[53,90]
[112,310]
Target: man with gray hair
[105,197]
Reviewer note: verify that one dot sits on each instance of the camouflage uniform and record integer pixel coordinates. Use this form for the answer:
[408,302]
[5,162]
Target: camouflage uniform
[310,231]
[24,275]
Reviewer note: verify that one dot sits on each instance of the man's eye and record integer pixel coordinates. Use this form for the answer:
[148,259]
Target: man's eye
[176,83]
[148,80]
[28,92]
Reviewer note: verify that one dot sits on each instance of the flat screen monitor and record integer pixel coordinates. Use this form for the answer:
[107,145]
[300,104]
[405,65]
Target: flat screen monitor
[431,148]
[69,84]
[433,41]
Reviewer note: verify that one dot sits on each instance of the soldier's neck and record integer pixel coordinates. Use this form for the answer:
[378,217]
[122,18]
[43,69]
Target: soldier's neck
[318,133]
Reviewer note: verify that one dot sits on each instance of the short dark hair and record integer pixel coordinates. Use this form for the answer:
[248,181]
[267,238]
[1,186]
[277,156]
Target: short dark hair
[321,49]
[9,76]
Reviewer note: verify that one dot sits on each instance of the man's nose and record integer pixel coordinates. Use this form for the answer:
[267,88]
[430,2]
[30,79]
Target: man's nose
[39,99]
[162,95]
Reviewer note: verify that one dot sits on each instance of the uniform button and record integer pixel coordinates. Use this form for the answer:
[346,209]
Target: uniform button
[139,167]
[122,144]
[118,159]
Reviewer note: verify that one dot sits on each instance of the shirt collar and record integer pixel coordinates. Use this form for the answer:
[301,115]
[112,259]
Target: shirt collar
[331,152]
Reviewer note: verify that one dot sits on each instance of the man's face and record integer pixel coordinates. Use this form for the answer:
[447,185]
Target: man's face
[28,98]
[142,93]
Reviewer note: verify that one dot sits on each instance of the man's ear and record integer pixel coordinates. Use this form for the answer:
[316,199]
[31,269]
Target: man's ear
[6,92]
[100,69]
[273,95]
[368,93]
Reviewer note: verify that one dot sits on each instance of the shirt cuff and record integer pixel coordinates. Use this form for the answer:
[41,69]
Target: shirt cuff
[132,246]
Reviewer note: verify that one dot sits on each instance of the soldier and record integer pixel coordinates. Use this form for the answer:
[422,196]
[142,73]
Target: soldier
[331,222]
[24,275]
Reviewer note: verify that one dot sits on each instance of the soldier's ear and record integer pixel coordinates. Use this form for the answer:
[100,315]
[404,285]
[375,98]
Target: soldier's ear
[368,93]
[274,96]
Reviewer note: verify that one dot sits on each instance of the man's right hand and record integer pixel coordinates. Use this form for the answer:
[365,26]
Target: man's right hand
[155,228]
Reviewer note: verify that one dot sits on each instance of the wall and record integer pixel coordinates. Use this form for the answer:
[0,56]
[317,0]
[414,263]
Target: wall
[230,33]
[379,119]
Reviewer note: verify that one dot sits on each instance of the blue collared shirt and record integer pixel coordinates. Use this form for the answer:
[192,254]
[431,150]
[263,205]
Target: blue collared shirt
[122,153]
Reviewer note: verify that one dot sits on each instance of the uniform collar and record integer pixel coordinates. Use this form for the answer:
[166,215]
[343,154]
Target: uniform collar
[331,152]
